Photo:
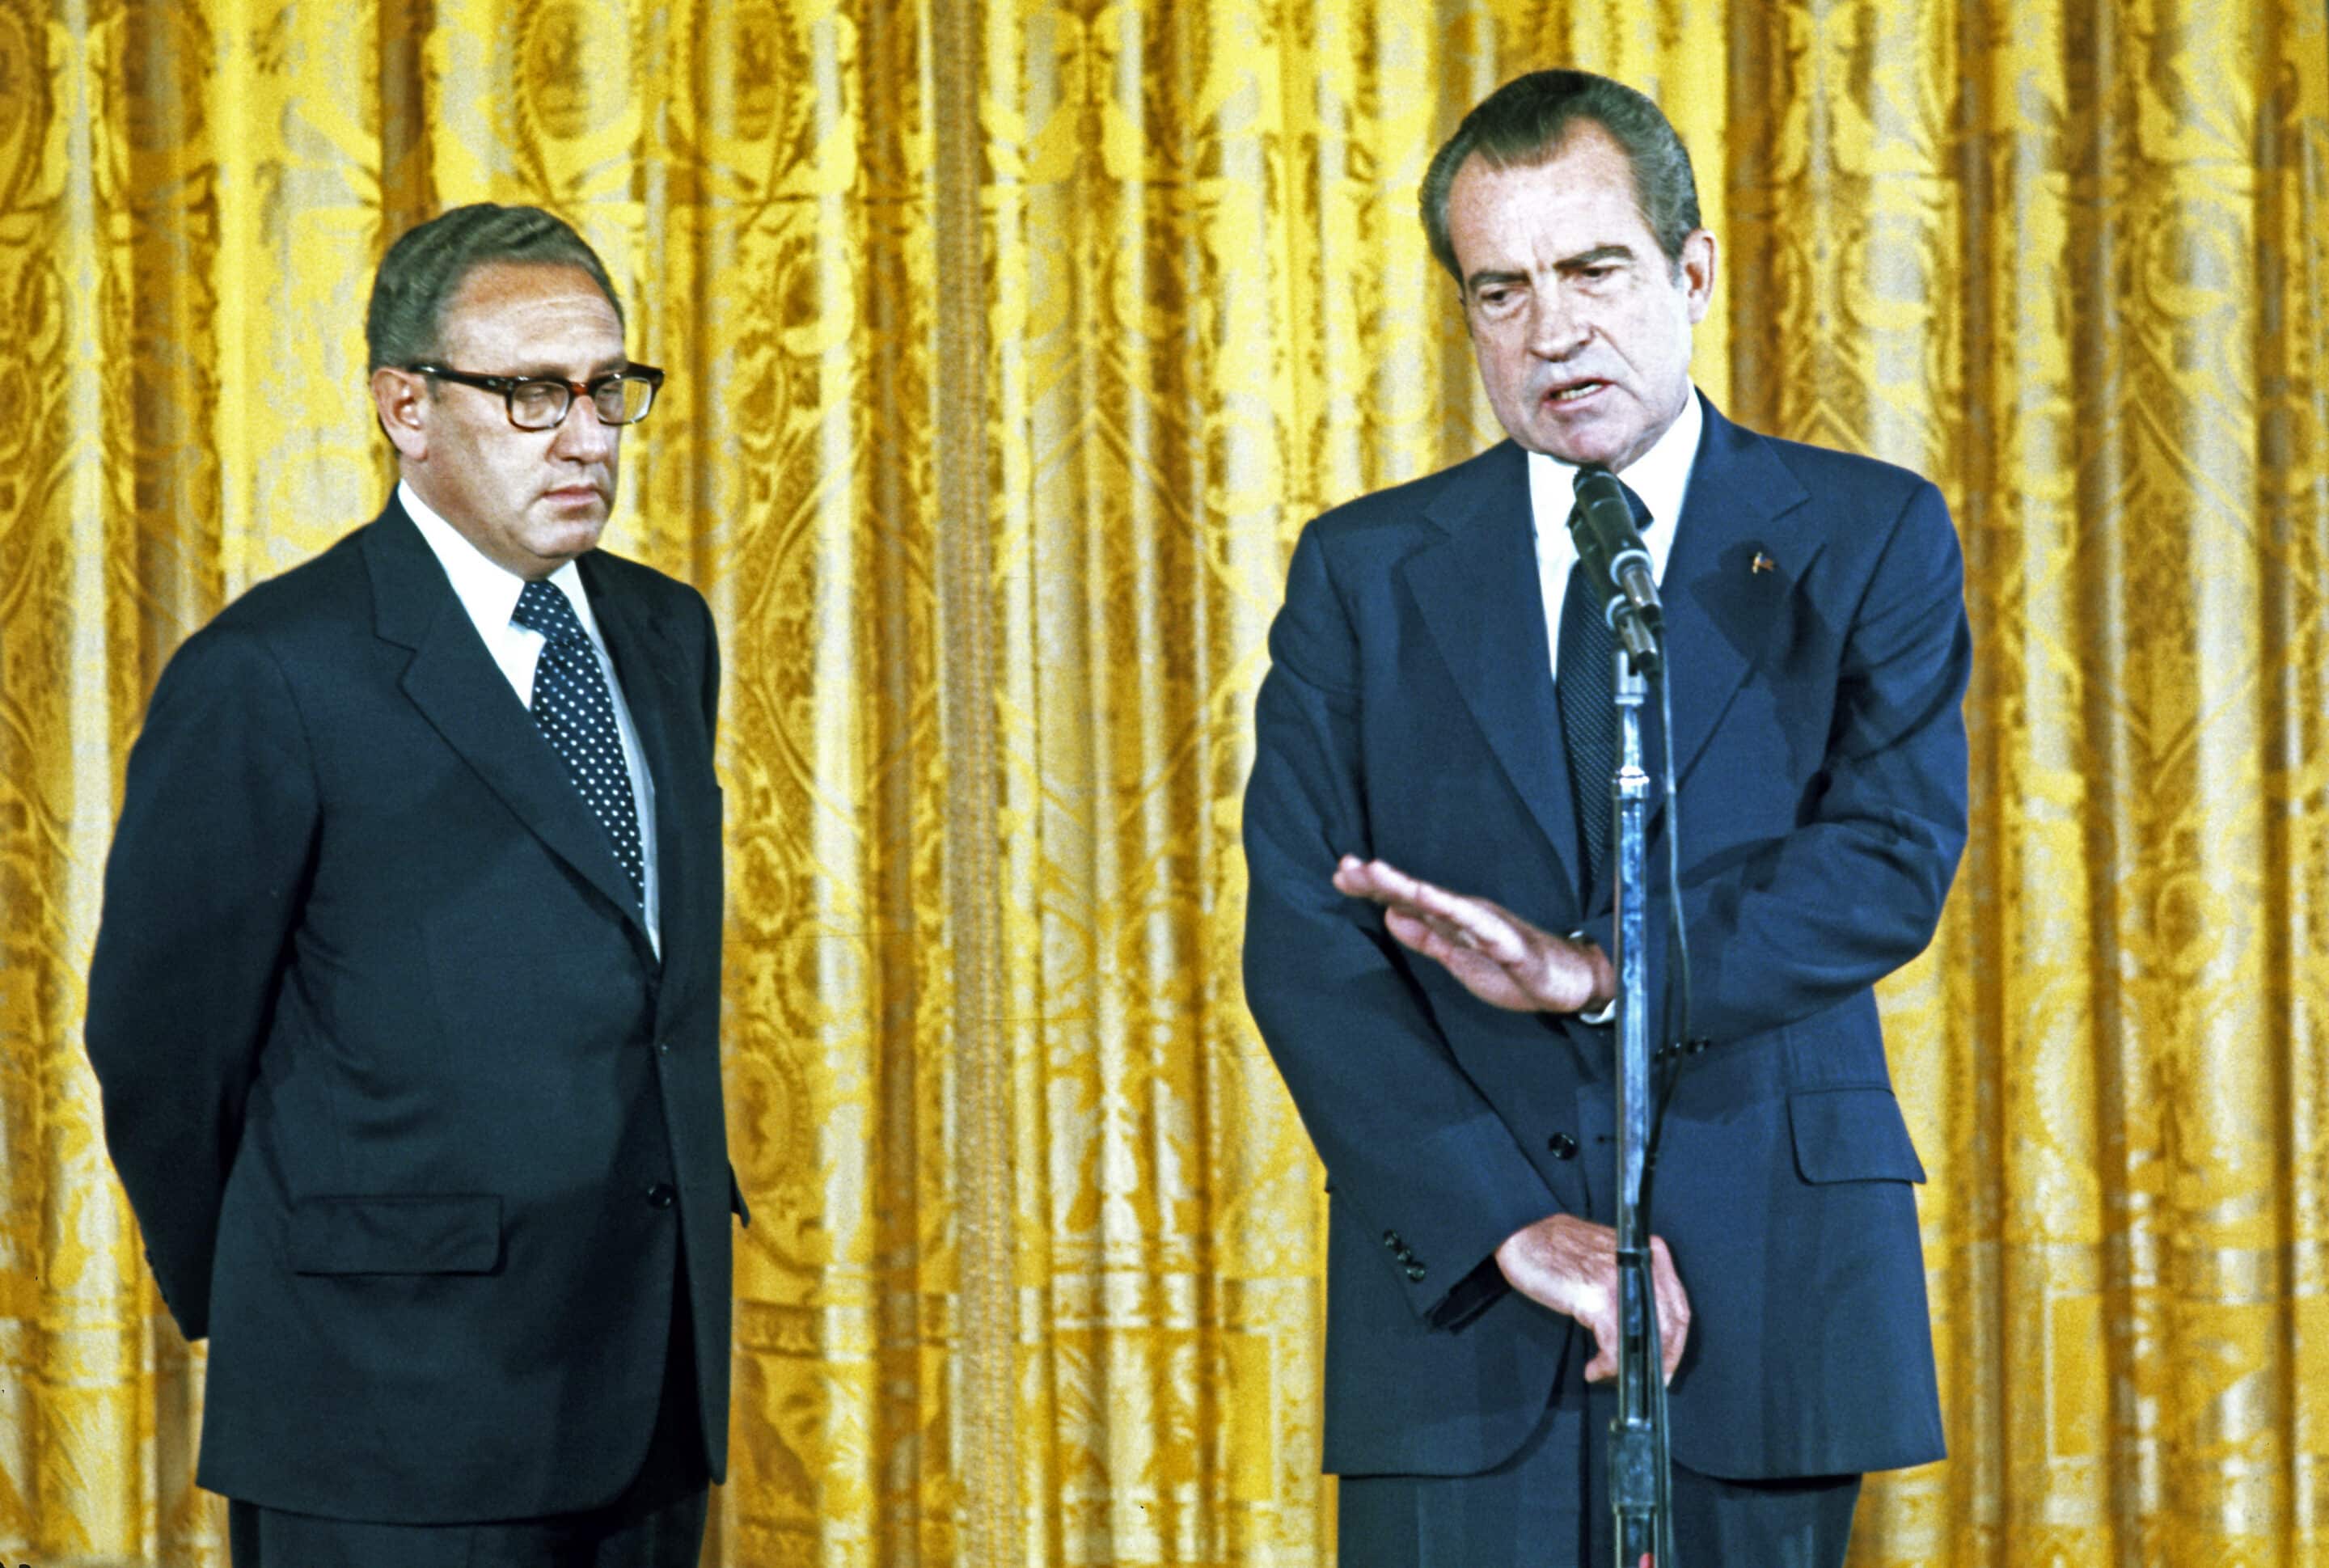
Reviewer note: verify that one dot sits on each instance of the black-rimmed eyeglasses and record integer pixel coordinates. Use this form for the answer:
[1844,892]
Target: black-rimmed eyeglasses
[539,402]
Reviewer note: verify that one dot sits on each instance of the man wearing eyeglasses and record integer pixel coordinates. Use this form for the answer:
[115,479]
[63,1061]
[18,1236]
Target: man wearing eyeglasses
[405,1001]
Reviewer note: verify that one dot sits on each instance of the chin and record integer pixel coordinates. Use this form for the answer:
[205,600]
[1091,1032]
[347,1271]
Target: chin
[561,517]
[1582,444]
[565,541]
[1610,451]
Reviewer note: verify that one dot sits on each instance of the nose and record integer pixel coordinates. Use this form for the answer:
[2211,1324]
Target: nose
[583,435]
[1556,327]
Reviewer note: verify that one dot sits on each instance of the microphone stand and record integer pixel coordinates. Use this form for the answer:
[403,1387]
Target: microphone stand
[1639,1485]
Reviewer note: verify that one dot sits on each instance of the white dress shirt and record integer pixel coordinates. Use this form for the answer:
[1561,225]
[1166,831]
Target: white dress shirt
[489,591]
[1660,476]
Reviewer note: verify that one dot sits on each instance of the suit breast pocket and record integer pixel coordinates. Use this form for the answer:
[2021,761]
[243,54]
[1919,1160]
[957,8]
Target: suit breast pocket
[417,1234]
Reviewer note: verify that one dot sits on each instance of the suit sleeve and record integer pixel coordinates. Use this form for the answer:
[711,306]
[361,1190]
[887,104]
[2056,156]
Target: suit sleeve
[736,1202]
[710,669]
[1806,920]
[1407,1139]
[203,887]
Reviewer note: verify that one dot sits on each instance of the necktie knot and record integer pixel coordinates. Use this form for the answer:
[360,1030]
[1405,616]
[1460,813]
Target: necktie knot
[543,609]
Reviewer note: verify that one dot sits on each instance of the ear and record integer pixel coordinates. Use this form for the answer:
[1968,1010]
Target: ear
[402,402]
[1698,272]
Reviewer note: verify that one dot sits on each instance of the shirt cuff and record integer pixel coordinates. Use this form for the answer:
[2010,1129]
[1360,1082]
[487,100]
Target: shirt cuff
[1607,1010]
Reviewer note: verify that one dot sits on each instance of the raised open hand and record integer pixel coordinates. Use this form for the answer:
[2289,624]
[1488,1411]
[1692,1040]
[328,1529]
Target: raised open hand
[1494,953]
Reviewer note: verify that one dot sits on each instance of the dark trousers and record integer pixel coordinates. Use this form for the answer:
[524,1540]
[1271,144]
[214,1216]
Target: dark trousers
[1548,1506]
[657,1522]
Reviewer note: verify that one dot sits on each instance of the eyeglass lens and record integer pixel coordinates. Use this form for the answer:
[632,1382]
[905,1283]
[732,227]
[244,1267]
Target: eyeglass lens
[620,399]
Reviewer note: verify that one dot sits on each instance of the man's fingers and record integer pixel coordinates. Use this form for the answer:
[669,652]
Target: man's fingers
[1481,921]
[1478,974]
[1462,925]
[1426,936]
[1415,932]
[1673,1334]
[1674,1306]
[1595,1306]
[1489,923]
[1604,1365]
[1459,924]
[1376,879]
[1499,938]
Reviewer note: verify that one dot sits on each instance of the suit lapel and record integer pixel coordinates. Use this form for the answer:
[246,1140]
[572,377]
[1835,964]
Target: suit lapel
[1479,594]
[463,694]
[1722,607]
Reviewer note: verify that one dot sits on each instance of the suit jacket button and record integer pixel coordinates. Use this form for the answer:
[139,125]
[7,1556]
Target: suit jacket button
[1562,1145]
[662,1196]
[1391,1239]
[1415,1272]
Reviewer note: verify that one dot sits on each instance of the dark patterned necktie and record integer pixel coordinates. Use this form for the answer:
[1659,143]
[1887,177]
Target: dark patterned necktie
[1589,720]
[576,714]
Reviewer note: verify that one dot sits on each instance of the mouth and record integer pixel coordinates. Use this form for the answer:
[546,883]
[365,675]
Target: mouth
[1565,393]
[575,495]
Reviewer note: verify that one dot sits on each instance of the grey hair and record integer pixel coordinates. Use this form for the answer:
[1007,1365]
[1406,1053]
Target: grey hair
[1523,123]
[427,266]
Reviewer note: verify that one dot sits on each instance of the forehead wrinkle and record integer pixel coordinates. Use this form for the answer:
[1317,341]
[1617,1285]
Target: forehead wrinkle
[518,345]
[1597,162]
[1587,141]
[512,309]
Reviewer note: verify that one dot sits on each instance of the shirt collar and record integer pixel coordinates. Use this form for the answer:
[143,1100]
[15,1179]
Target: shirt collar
[1660,476]
[487,590]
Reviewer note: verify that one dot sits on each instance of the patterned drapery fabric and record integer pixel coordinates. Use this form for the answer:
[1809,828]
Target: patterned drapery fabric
[1011,345]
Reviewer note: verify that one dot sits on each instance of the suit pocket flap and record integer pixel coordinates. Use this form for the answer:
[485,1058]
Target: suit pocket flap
[420,1234]
[1851,1134]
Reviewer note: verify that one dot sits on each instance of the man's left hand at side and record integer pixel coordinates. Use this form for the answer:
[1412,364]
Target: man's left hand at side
[1495,954]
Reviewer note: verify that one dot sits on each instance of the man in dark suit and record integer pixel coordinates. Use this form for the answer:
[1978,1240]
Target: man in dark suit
[405,1002]
[1428,725]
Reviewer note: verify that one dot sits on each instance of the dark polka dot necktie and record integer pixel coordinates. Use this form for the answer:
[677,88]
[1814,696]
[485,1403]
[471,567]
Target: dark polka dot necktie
[576,715]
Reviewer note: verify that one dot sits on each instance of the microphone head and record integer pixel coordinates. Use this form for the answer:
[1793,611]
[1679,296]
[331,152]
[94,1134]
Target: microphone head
[1610,544]
[1603,516]
[1604,500]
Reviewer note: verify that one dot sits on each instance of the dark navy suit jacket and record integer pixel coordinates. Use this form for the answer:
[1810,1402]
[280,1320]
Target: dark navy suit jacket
[413,1119]
[1820,754]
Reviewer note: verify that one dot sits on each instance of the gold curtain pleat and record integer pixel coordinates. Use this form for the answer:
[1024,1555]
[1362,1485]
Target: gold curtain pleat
[1011,346]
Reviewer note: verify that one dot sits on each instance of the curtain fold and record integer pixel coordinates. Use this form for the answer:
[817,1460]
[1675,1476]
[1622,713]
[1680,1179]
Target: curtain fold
[1012,342]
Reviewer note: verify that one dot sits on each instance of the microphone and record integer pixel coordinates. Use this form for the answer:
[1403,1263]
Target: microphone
[1618,567]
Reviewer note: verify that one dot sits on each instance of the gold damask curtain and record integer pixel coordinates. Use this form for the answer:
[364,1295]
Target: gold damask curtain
[1012,345]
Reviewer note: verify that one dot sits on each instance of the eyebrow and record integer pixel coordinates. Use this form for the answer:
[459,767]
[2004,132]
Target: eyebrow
[1577,263]
[1600,254]
[542,371]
